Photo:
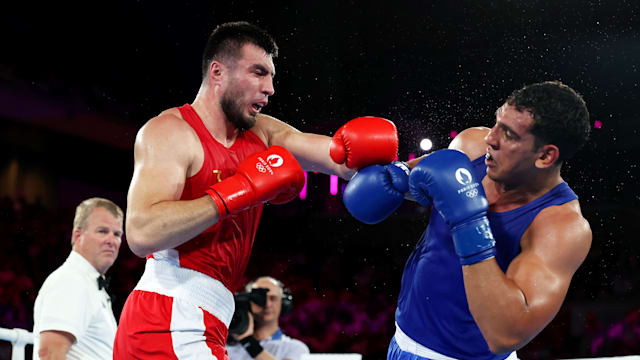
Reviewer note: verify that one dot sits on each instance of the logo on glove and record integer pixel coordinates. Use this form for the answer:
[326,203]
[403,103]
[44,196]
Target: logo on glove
[463,176]
[275,160]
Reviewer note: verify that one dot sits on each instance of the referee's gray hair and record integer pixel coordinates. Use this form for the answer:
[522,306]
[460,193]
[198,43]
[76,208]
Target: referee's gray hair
[85,209]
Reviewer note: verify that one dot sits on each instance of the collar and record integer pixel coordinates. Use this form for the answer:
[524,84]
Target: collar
[79,262]
[277,335]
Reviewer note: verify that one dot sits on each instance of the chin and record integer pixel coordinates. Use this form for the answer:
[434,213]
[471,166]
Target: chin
[244,122]
[250,122]
[492,175]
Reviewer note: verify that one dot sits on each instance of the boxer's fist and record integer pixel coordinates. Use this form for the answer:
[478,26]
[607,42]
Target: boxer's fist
[446,178]
[365,141]
[376,191]
[270,175]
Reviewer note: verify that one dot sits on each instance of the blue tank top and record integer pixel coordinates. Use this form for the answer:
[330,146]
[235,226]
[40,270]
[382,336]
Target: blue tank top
[432,306]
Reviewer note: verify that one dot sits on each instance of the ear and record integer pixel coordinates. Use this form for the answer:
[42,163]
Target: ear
[547,156]
[217,71]
[75,236]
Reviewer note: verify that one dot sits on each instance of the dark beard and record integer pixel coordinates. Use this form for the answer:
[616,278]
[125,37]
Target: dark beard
[233,111]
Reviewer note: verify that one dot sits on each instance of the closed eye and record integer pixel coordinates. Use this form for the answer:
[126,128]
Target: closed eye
[262,71]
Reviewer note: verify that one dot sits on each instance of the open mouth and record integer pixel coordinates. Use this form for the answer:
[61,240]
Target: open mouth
[488,158]
[257,107]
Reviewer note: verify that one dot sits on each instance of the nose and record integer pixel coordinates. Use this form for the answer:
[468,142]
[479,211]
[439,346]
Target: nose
[267,86]
[492,139]
[113,240]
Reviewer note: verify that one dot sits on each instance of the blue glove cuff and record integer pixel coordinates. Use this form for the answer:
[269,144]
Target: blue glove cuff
[474,241]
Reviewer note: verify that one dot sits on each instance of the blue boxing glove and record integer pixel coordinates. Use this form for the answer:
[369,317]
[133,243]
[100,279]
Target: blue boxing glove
[446,179]
[376,191]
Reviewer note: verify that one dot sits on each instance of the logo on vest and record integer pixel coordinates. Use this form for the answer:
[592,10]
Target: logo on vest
[217,173]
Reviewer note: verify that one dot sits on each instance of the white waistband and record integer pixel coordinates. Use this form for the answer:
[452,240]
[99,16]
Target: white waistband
[405,343]
[165,278]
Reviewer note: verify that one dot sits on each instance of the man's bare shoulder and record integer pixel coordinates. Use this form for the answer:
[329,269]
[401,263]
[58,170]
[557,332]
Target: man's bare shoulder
[563,231]
[169,124]
[471,142]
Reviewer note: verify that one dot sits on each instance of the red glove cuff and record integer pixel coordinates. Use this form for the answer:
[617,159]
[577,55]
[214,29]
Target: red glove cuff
[222,208]
[232,195]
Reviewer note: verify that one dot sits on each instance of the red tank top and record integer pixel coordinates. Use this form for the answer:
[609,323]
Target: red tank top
[222,251]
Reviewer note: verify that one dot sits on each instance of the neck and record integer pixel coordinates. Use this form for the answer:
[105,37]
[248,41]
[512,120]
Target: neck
[265,330]
[207,105]
[506,196]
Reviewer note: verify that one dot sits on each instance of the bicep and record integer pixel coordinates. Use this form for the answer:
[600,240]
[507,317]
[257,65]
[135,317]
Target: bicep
[542,285]
[55,342]
[552,251]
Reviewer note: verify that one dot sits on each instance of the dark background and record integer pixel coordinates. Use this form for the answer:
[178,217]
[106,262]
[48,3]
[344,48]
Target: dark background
[78,79]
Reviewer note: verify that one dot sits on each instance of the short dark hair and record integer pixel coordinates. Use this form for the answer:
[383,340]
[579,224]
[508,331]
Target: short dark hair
[226,41]
[559,113]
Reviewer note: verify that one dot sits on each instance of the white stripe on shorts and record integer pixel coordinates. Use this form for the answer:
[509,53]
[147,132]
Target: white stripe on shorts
[405,343]
[164,277]
[187,331]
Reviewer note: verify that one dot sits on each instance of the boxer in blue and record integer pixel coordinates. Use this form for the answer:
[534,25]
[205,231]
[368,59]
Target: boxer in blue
[505,234]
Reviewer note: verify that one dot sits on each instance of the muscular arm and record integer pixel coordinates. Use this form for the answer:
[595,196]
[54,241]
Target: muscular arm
[156,218]
[311,150]
[510,309]
[55,344]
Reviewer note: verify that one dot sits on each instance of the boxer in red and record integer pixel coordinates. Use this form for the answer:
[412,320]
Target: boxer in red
[202,172]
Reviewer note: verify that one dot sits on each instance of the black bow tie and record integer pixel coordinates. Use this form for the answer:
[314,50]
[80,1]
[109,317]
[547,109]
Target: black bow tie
[103,282]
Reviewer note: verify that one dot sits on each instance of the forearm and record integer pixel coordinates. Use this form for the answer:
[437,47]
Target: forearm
[54,345]
[312,152]
[53,353]
[498,306]
[265,355]
[168,224]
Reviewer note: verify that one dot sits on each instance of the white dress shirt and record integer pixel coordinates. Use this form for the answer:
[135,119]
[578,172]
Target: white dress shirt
[69,300]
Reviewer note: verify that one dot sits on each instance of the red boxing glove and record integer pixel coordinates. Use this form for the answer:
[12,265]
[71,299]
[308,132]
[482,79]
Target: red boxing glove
[271,175]
[365,141]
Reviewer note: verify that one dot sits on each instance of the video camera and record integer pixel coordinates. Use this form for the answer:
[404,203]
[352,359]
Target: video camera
[240,320]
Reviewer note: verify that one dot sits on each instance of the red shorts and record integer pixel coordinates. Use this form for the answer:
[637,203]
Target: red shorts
[154,326]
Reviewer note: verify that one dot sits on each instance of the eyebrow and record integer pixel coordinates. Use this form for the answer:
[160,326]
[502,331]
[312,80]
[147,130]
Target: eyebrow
[510,129]
[503,126]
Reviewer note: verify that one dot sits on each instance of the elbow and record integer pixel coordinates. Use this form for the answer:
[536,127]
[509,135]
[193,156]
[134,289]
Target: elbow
[138,248]
[505,344]
[138,241]
[497,349]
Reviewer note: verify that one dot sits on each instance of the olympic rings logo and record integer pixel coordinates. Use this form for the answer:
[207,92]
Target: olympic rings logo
[472,193]
[260,167]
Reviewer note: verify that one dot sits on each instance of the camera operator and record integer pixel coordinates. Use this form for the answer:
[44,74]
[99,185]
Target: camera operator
[263,339]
